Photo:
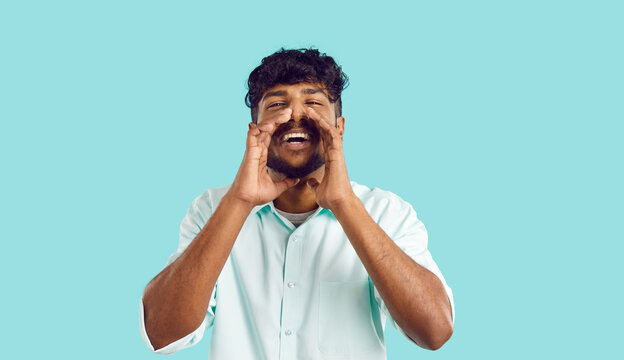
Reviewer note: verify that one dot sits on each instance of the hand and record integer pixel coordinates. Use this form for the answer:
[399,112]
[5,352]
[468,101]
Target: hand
[334,189]
[252,184]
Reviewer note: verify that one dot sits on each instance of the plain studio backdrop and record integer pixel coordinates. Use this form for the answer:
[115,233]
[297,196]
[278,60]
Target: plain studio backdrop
[500,122]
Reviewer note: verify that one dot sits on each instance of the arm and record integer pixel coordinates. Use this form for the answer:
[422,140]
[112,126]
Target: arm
[190,279]
[415,297]
[176,300]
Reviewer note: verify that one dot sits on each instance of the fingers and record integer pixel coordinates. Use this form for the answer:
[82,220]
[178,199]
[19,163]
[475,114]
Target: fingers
[271,124]
[286,184]
[257,144]
[312,184]
[328,132]
[332,141]
[252,135]
[283,117]
[264,138]
[260,134]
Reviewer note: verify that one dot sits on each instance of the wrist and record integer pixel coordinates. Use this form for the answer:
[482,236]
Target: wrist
[346,204]
[237,203]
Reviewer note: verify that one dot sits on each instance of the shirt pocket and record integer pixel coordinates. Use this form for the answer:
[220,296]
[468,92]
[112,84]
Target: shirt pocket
[345,319]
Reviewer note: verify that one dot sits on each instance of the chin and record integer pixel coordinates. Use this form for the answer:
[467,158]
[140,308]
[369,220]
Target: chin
[278,164]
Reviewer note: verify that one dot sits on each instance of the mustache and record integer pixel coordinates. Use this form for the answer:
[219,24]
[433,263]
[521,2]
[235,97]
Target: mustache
[304,123]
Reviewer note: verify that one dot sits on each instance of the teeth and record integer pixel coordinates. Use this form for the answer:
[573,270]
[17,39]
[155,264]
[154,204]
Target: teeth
[294,135]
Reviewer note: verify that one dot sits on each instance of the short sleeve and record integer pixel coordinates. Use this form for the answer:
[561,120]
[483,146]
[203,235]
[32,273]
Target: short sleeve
[198,214]
[401,224]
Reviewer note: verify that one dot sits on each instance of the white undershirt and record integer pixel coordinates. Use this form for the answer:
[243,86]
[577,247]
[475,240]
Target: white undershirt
[296,219]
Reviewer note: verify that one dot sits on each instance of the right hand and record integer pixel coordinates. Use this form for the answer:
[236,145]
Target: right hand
[252,184]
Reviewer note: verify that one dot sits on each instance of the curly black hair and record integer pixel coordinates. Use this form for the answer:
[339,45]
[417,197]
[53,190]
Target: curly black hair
[292,67]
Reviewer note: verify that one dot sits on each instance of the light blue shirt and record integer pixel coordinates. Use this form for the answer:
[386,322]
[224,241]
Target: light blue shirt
[289,292]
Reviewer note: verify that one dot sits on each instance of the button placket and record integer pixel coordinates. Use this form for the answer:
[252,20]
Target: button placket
[290,317]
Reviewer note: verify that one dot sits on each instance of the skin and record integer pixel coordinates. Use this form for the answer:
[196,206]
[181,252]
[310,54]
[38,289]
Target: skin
[176,300]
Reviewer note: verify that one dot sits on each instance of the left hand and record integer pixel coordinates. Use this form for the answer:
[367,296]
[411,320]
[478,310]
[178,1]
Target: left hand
[334,189]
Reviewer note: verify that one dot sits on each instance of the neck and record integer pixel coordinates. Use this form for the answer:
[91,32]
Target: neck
[299,198]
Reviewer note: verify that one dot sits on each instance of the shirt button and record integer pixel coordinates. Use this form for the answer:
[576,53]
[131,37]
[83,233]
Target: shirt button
[291,285]
[295,238]
[288,332]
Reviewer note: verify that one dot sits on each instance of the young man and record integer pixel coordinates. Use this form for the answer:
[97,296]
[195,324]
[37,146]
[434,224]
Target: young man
[294,261]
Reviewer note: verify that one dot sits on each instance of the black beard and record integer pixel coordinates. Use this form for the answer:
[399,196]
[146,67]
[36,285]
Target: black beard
[296,172]
[314,162]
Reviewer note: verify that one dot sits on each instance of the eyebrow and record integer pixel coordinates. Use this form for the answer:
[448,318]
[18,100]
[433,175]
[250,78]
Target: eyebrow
[312,91]
[306,91]
[274,93]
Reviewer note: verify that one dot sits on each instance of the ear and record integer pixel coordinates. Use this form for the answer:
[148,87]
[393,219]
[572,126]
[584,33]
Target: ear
[340,125]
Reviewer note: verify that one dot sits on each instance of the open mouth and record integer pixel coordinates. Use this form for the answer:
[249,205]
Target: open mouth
[295,137]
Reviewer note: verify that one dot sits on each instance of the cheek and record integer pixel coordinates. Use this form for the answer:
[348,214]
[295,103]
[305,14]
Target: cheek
[261,114]
[274,143]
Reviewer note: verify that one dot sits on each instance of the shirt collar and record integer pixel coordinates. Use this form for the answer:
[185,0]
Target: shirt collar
[271,206]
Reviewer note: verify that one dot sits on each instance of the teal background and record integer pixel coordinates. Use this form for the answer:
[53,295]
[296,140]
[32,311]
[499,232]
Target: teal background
[501,122]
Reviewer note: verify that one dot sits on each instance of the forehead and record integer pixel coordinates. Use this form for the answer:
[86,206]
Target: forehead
[302,88]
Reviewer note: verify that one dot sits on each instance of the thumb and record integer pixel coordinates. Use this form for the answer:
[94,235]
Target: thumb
[312,183]
[287,184]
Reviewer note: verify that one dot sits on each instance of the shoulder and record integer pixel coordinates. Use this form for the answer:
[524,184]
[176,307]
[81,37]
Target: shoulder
[393,214]
[204,204]
[378,201]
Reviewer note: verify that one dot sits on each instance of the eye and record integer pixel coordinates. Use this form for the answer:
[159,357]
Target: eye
[276,105]
[313,103]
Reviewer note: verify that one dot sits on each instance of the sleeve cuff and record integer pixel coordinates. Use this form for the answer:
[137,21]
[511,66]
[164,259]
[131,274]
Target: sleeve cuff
[187,341]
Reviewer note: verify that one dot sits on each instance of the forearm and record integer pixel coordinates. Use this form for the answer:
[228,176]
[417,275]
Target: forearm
[414,296]
[176,300]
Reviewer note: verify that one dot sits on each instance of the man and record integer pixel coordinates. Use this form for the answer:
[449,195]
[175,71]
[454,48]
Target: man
[294,261]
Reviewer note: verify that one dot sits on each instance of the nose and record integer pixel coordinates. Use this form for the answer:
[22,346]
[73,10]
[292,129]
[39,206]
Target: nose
[298,112]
